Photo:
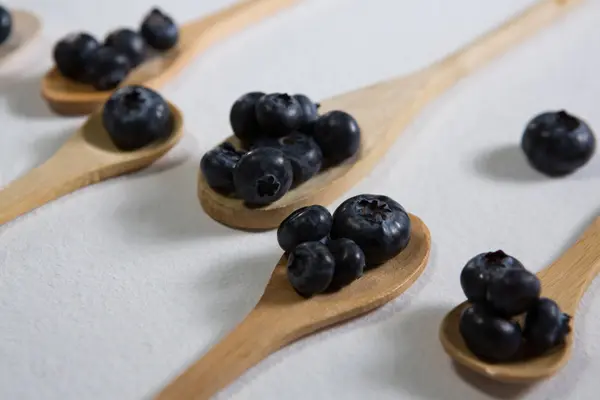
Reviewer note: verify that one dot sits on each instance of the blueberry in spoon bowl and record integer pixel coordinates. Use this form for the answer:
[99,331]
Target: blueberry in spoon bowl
[129,43]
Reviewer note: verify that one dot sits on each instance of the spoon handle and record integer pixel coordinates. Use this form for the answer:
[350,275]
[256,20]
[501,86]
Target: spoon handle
[567,278]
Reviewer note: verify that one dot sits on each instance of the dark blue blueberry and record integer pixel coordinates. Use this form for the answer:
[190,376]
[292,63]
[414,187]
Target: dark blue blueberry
[557,143]
[135,116]
[310,110]
[129,43]
[262,176]
[74,56]
[338,135]
[109,68]
[5,24]
[488,336]
[278,114]
[481,270]
[378,224]
[306,224]
[243,118]
[159,30]
[546,326]
[310,268]
[514,292]
[349,262]
[217,167]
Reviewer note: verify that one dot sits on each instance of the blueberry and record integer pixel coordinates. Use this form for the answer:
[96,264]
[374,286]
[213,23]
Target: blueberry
[302,151]
[159,30]
[129,43]
[73,56]
[109,68]
[278,114]
[557,143]
[378,224]
[310,268]
[262,176]
[5,24]
[488,336]
[135,116]
[481,270]
[349,262]
[243,118]
[338,135]
[310,110]
[306,224]
[217,167]
[546,326]
[514,292]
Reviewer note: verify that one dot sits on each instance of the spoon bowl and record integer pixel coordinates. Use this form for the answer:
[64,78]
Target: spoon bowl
[26,27]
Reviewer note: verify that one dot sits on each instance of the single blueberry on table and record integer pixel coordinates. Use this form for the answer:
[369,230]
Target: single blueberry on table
[558,143]
[338,135]
[489,337]
[349,262]
[310,110]
[481,270]
[306,224]
[378,224]
[217,167]
[310,268]
[546,326]
[514,292]
[108,68]
[129,43]
[159,30]
[5,24]
[135,116]
[243,118]
[278,114]
[74,56]
[262,176]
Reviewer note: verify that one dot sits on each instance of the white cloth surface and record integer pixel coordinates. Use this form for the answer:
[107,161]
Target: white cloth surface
[109,292]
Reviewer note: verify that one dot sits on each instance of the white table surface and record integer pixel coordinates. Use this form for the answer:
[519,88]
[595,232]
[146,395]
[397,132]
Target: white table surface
[109,292]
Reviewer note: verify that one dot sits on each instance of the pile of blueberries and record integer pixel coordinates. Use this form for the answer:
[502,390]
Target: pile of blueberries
[326,253]
[285,142]
[499,289]
[82,58]
[5,24]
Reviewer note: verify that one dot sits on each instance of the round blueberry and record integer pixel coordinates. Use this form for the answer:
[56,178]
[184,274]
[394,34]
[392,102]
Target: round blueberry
[217,167]
[349,262]
[378,224]
[109,68]
[546,326]
[278,114]
[129,43]
[243,118]
[159,30]
[306,224]
[310,110]
[135,116]
[262,176]
[310,268]
[74,54]
[481,270]
[488,336]
[514,292]
[338,135]
[557,143]
[5,24]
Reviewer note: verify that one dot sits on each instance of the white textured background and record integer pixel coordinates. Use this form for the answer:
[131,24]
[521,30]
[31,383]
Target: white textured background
[108,293]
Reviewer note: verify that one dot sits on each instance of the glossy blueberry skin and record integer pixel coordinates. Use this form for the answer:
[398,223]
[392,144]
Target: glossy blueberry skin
[481,270]
[378,224]
[306,224]
[135,116]
[514,292]
[217,167]
[129,43]
[5,24]
[74,56]
[262,176]
[546,326]
[109,68]
[243,118]
[349,263]
[159,30]
[310,110]
[310,268]
[278,114]
[338,135]
[302,151]
[557,143]
[489,337]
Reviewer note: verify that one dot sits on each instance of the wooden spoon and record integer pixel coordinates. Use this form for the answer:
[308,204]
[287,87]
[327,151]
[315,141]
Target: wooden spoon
[26,27]
[565,281]
[382,110]
[282,317]
[88,157]
[67,97]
